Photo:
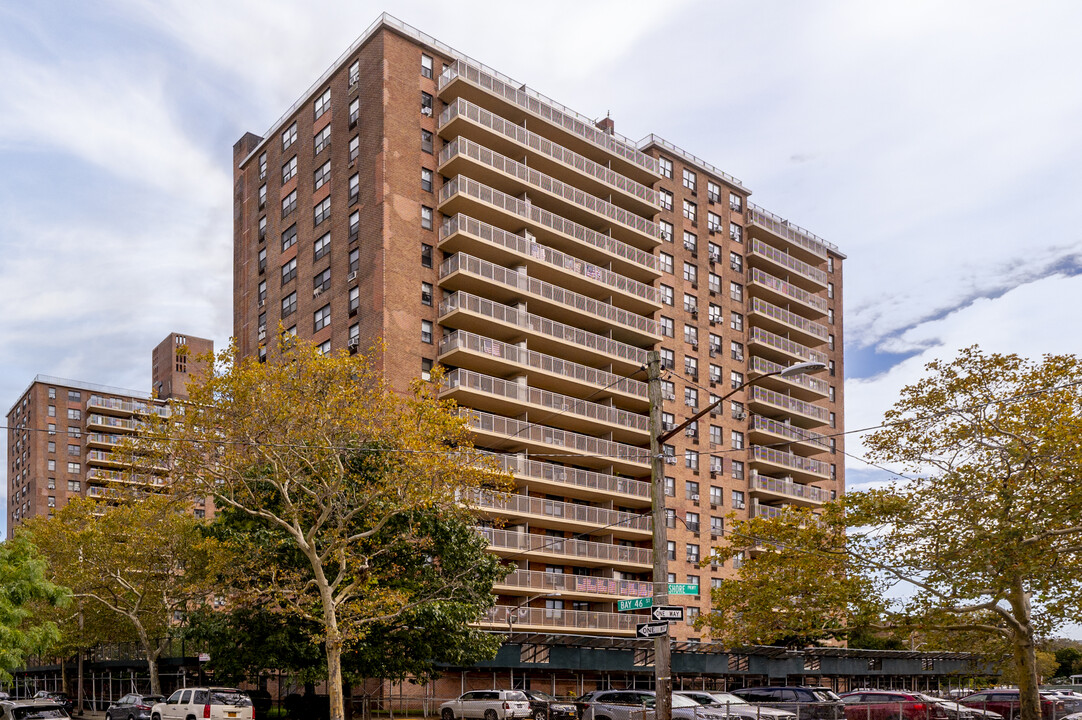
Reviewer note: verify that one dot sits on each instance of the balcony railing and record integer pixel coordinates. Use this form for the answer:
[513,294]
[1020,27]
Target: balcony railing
[113,422]
[774,312]
[785,229]
[537,104]
[789,290]
[569,547]
[796,434]
[588,620]
[98,475]
[544,218]
[767,511]
[525,431]
[652,139]
[562,582]
[785,402]
[519,134]
[786,345]
[555,401]
[104,456]
[524,246]
[105,438]
[762,365]
[575,477]
[127,406]
[585,514]
[789,489]
[548,291]
[461,339]
[789,262]
[789,460]
[521,318]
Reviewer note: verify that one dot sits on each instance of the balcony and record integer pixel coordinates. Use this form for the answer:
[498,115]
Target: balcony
[804,387]
[578,587]
[792,492]
[514,101]
[100,476]
[788,236]
[103,440]
[465,311]
[762,283]
[797,467]
[541,512]
[780,320]
[114,460]
[462,156]
[462,117]
[95,421]
[462,233]
[799,412]
[568,550]
[465,272]
[531,619]
[776,347]
[461,194]
[542,440]
[766,511]
[799,272]
[507,397]
[574,482]
[117,406]
[767,431]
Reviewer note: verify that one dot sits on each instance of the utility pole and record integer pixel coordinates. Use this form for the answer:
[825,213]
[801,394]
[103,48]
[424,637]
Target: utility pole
[662,647]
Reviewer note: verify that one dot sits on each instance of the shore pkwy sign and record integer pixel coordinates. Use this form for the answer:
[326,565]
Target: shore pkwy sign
[682,589]
[652,629]
[635,604]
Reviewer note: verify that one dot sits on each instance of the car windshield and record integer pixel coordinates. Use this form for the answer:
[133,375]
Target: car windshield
[229,697]
[681,701]
[516,695]
[728,699]
[38,711]
[825,696]
[543,697]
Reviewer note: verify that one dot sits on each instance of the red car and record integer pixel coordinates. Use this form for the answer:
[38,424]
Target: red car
[1005,702]
[890,705]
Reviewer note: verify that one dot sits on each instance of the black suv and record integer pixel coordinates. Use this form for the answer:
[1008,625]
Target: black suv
[808,703]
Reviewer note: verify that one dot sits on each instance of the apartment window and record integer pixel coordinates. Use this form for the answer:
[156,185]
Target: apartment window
[322,104]
[52,501]
[354,188]
[354,149]
[426,179]
[830,393]
[74,468]
[736,262]
[736,350]
[426,141]
[426,293]
[289,170]
[717,525]
[693,554]
[322,318]
[691,273]
[354,73]
[426,331]
[670,487]
[736,203]
[262,292]
[51,465]
[670,518]
[666,294]
[666,230]
[322,246]
[426,369]
[665,262]
[738,499]
[74,451]
[74,432]
[289,270]
[51,411]
[289,304]
[691,335]
[289,237]
[52,391]
[668,421]
[713,191]
[833,419]
[426,66]
[830,367]
[426,255]
[426,218]
[289,204]
[668,359]
[262,196]
[690,211]
[737,470]
[669,451]
[262,228]
[830,264]
[666,326]
[691,366]
[354,300]
[691,303]
[691,242]
[830,315]
[262,323]
[830,290]
[715,282]
[354,260]
[736,292]
[321,283]
[322,211]
[324,347]
[289,136]
[713,222]
[830,341]
[736,321]
[75,414]
[737,410]
[52,446]
[51,484]
[354,335]
[833,476]
[691,460]
[426,104]
[322,175]
[691,397]
[665,166]
[715,371]
[737,440]
[354,225]
[689,180]
[262,259]
[262,166]
[671,548]
[664,197]
[736,233]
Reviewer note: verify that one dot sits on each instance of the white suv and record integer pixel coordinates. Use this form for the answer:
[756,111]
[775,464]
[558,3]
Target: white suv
[214,703]
[487,704]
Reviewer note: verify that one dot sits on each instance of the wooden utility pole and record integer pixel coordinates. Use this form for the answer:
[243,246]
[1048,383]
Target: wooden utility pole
[662,647]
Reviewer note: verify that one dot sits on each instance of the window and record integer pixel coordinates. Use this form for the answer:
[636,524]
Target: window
[691,335]
[689,180]
[354,73]
[322,175]
[670,487]
[736,292]
[262,166]
[52,465]
[324,347]
[713,191]
[354,148]
[714,282]
[289,304]
[671,547]
[665,167]
[736,379]
[426,217]
[354,260]
[665,262]
[713,222]
[322,318]
[736,321]
[830,341]
[833,419]
[74,468]
[322,104]
[262,323]
[426,255]
[426,141]
[262,196]
[737,470]
[74,396]
[354,111]
[738,499]
[691,243]
[737,410]
[668,421]
[715,371]
[831,393]
[426,294]
[666,294]
[75,414]
[52,411]
[691,366]
[736,350]
[74,451]
[262,292]
[426,104]
[830,264]
[52,391]
[830,366]
[354,335]
[691,273]
[736,233]
[52,501]
[691,460]
[736,261]
[289,136]
[426,66]
[289,270]
[426,179]
[354,188]
[830,290]
[736,203]
[289,170]
[691,397]
[322,246]
[426,369]
[262,228]
[691,303]
[690,211]
[289,204]
[670,518]
[52,446]
[666,326]
[668,359]
[426,331]
[664,198]
[262,259]
[737,440]
[322,211]
[666,230]
[289,237]
[321,283]
[354,300]
[830,315]
[354,225]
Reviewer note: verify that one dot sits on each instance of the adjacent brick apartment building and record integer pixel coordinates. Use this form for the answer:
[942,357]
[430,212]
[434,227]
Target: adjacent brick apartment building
[61,433]
[415,195]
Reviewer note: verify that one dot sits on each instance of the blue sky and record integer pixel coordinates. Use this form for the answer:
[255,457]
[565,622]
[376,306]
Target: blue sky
[936,143]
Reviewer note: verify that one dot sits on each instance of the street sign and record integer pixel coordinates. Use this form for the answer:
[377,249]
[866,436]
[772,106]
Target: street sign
[682,589]
[635,604]
[652,629]
[668,612]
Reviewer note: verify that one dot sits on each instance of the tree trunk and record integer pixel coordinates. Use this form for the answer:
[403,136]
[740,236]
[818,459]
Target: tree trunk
[152,654]
[1025,654]
[334,675]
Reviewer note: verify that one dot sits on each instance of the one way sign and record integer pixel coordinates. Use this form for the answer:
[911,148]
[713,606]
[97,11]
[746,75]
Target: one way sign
[651,629]
[668,612]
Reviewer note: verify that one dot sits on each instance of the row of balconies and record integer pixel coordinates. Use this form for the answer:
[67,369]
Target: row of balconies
[95,421]
[570,550]
[127,407]
[762,366]
[784,230]
[110,459]
[800,410]
[799,271]
[788,321]
[585,586]
[805,494]
[785,291]
[790,461]
[574,482]
[555,513]
[106,440]
[99,475]
[528,619]
[815,441]
[785,346]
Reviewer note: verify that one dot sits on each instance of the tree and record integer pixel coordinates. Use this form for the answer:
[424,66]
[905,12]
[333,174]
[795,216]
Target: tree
[23,583]
[143,559]
[1068,661]
[339,476]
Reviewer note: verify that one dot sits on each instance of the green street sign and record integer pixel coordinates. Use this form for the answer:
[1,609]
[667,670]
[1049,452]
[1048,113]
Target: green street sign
[682,589]
[635,604]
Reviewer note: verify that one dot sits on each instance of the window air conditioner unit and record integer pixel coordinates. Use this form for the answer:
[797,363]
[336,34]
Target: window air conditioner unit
[353,343]
[352,276]
[670,459]
[695,497]
[317,292]
[427,111]
[740,416]
[262,302]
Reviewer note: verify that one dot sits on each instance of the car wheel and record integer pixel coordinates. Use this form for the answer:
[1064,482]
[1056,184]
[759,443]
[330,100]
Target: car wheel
[447,714]
[130,717]
[539,714]
[155,716]
[491,715]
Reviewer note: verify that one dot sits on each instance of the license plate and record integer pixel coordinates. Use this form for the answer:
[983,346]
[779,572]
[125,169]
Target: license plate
[230,714]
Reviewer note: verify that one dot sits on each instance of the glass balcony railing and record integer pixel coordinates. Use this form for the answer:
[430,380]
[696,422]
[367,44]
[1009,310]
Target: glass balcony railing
[543,253]
[504,616]
[787,230]
[774,312]
[764,366]
[786,345]
[522,136]
[543,434]
[789,262]
[527,469]
[535,580]
[790,291]
[567,547]
[761,394]
[789,460]
[789,489]
[796,434]
[546,219]
[548,291]
[518,505]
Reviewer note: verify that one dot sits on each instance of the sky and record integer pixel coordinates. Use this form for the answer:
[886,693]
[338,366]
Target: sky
[937,144]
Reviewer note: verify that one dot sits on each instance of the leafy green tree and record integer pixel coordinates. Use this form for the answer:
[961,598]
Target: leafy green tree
[1068,662]
[24,583]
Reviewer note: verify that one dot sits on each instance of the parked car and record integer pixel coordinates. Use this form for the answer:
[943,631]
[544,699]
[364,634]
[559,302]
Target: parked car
[961,712]
[734,706]
[133,706]
[1072,703]
[543,706]
[808,703]
[487,704]
[59,697]
[890,705]
[37,709]
[639,705]
[212,703]
[1005,702]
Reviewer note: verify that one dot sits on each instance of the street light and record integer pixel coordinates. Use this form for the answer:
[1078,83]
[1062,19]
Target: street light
[513,611]
[662,654]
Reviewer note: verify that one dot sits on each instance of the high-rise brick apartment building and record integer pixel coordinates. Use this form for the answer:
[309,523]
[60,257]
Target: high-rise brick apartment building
[62,433]
[416,195]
